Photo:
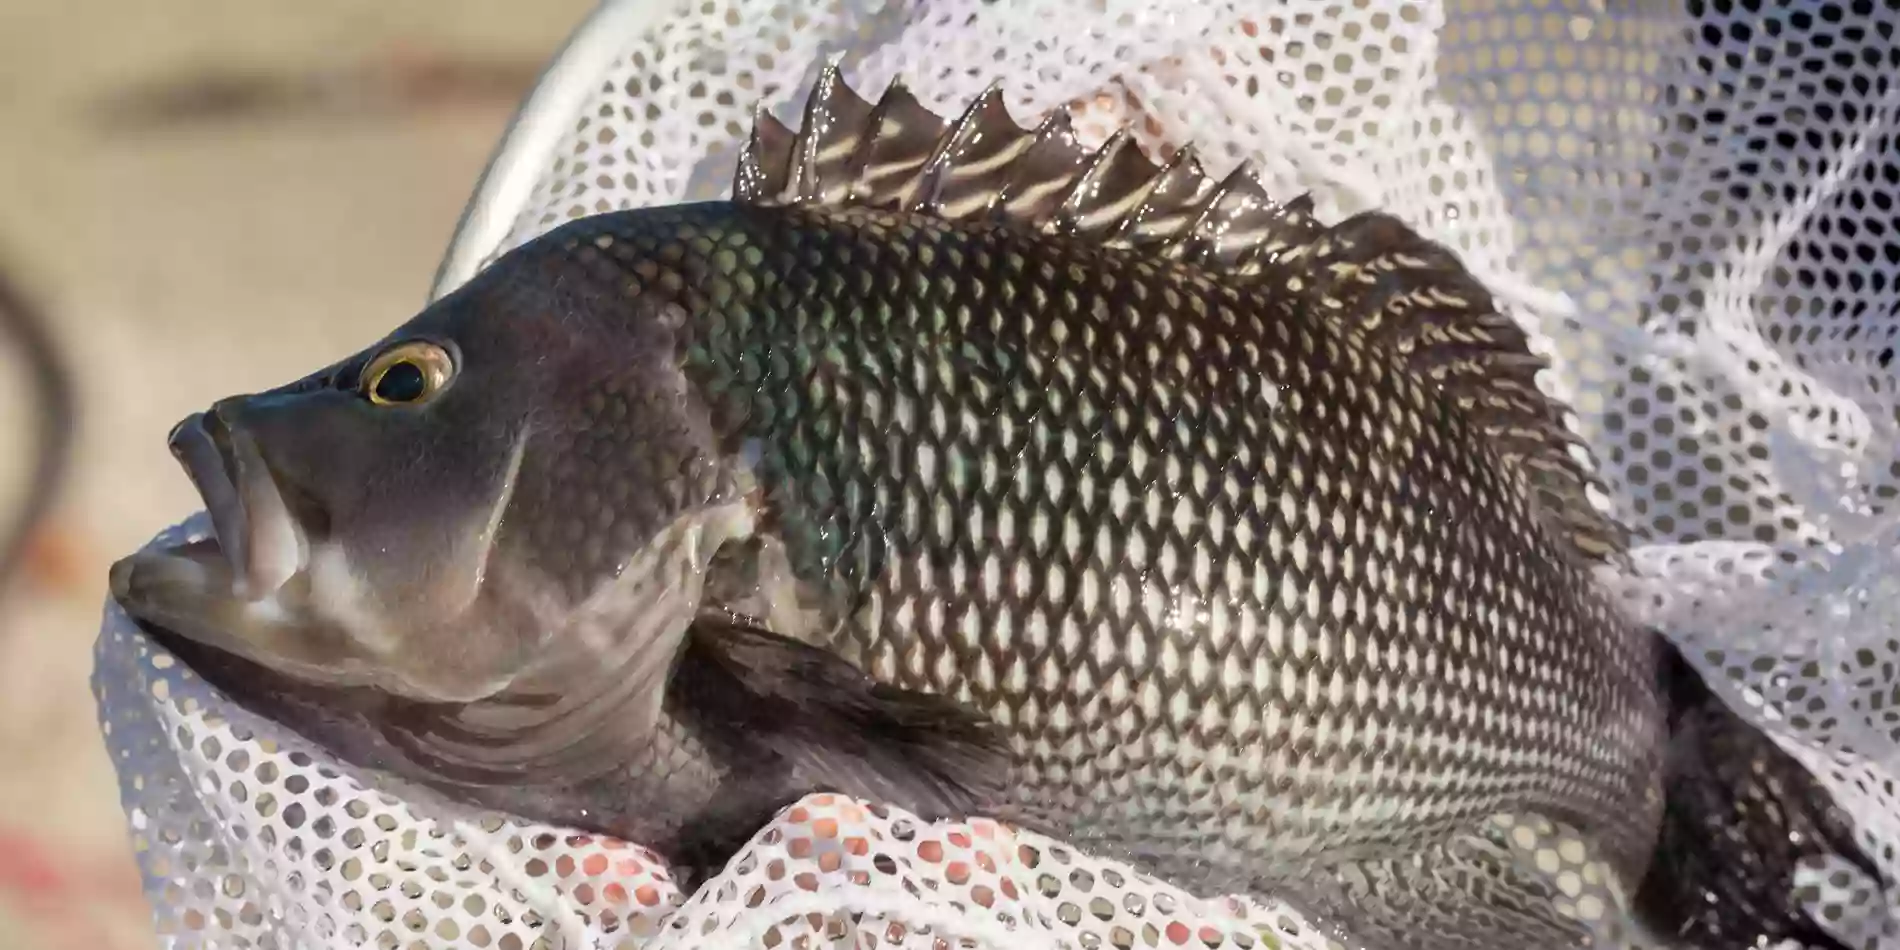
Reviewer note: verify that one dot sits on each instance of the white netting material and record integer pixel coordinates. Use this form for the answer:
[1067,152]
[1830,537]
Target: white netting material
[1692,208]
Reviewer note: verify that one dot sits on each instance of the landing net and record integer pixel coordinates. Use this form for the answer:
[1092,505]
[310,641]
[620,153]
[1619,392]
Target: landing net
[1692,208]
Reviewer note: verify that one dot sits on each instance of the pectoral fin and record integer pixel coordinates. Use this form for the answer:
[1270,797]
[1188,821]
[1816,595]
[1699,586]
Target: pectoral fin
[833,728]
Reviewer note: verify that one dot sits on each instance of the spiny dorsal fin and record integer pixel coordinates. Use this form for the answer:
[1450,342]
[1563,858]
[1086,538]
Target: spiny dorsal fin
[1395,288]
[1038,184]
[903,136]
[1115,180]
[1234,219]
[1173,204]
[963,174]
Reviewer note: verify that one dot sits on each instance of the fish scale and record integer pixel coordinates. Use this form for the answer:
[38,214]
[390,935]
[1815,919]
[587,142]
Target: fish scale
[1128,509]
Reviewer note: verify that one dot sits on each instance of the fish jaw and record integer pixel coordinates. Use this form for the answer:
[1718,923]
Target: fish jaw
[240,590]
[255,530]
[190,591]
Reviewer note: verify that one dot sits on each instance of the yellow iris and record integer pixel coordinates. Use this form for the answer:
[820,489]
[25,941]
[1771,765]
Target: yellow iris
[407,373]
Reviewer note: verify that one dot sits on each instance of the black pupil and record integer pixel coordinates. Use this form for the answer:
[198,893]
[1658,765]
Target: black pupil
[401,382]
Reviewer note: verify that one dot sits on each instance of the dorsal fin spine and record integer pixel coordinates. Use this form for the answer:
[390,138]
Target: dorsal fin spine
[860,161]
[835,118]
[801,167]
[1195,243]
[760,172]
[1132,225]
[987,149]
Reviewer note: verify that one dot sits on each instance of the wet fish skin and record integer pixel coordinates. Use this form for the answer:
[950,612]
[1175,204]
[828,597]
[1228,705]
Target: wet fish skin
[1242,591]
[1250,540]
[1192,548]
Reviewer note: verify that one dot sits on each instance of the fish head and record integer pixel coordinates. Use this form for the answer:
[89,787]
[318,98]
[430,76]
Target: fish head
[436,514]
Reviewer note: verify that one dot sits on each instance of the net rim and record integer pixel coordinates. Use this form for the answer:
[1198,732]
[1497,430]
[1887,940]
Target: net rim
[521,155]
[537,135]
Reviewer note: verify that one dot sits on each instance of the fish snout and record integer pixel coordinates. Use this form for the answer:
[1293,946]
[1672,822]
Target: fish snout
[254,528]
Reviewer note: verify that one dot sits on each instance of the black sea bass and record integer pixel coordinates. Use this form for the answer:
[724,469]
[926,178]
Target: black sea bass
[960,467]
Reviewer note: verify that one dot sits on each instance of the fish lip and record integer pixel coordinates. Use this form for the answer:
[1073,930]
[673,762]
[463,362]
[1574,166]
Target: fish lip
[254,528]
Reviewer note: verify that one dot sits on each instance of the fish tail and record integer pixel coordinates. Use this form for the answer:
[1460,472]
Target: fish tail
[1740,817]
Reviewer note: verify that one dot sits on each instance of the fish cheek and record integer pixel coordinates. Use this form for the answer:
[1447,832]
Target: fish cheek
[405,503]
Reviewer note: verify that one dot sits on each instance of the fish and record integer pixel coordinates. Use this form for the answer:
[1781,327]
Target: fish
[958,466]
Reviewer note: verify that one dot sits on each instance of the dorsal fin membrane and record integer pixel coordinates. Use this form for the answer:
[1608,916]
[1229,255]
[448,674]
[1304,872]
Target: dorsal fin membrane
[905,134]
[1230,218]
[964,174]
[1115,180]
[1035,188]
[1390,287]
[1172,204]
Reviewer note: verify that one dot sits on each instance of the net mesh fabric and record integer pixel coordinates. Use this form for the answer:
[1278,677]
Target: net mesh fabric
[1690,207]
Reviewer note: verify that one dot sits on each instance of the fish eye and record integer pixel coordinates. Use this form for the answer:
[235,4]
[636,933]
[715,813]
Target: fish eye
[407,373]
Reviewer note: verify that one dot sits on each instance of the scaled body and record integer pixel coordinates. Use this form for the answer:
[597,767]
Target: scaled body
[1240,587]
[959,467]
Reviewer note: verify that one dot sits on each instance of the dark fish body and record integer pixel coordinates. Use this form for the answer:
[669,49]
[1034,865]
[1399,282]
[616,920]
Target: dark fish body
[963,468]
[1241,587]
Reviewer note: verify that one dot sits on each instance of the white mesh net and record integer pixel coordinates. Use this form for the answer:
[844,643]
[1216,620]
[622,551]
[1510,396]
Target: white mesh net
[1692,208]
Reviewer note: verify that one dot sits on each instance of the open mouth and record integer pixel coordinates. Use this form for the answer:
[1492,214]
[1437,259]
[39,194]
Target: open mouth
[254,529]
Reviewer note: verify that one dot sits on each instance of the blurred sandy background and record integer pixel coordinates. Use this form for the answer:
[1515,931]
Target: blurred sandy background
[187,245]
